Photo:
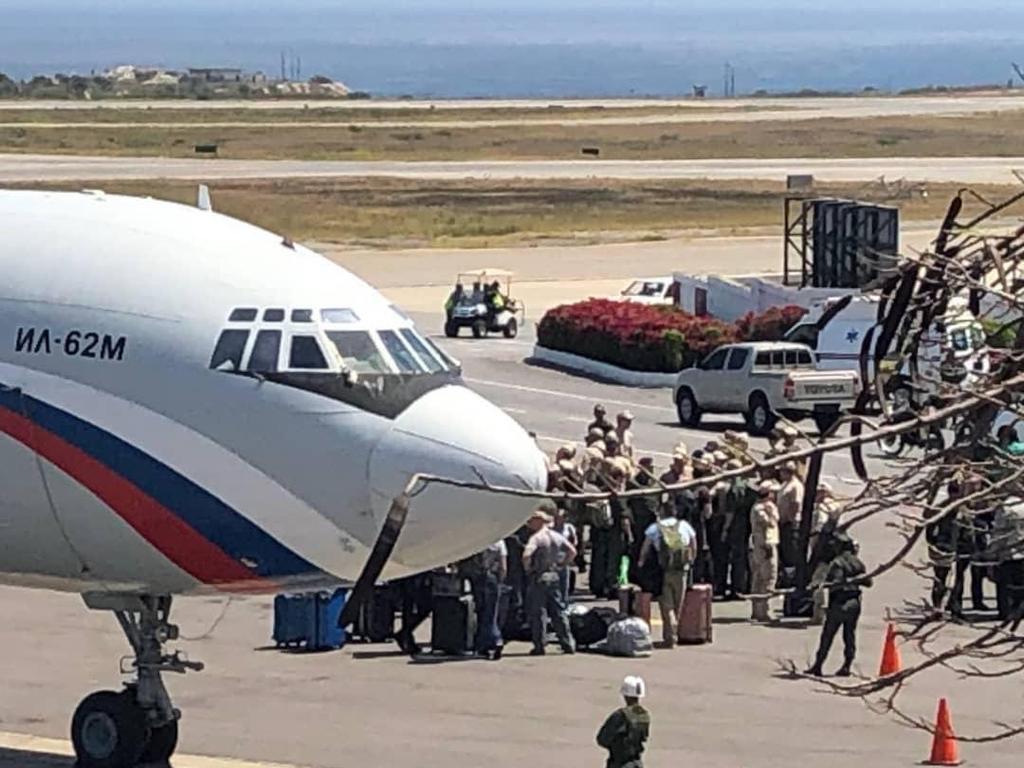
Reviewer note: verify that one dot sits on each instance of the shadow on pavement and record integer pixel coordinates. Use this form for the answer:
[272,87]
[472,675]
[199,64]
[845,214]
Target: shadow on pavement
[16,758]
[706,425]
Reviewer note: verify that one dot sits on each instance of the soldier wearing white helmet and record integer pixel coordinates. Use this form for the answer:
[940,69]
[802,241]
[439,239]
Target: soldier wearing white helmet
[625,732]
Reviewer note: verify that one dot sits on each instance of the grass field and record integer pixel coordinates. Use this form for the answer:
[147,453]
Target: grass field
[341,113]
[996,134]
[403,213]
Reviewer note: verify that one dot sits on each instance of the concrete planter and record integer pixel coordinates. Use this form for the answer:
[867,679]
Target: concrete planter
[604,371]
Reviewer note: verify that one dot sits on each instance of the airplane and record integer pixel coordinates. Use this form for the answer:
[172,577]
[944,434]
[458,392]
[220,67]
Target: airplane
[190,404]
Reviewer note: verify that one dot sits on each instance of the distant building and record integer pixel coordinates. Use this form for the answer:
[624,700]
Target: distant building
[215,74]
[224,75]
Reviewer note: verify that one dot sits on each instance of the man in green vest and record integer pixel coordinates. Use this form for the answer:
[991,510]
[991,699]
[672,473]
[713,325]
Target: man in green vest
[625,732]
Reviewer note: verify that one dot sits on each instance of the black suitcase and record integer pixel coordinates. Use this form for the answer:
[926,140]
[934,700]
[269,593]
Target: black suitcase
[591,627]
[375,622]
[453,625]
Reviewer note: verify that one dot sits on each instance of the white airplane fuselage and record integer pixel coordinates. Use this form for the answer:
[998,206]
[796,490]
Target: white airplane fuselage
[163,431]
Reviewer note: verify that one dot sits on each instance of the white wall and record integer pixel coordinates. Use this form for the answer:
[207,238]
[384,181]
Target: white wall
[729,300]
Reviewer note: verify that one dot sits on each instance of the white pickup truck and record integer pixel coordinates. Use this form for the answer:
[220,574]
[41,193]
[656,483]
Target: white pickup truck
[762,380]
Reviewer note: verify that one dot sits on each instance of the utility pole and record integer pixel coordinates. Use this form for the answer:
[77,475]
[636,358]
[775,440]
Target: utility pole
[283,76]
[298,68]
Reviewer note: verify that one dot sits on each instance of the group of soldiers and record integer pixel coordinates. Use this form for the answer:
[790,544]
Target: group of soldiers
[747,526]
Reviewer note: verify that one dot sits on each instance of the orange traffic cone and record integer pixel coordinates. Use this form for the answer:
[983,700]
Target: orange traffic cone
[944,749]
[891,661]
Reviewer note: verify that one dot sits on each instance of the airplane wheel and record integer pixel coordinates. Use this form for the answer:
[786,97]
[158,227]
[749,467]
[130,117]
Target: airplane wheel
[162,742]
[109,730]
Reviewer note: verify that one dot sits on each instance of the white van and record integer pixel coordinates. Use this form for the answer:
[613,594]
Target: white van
[837,345]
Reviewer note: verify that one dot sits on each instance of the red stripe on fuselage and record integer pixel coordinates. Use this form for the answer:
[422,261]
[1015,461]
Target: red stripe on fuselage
[176,540]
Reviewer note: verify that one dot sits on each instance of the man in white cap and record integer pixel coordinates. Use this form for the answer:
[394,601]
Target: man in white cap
[545,554]
[625,732]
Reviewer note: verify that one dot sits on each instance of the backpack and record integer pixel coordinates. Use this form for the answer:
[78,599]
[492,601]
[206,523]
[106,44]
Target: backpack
[674,555]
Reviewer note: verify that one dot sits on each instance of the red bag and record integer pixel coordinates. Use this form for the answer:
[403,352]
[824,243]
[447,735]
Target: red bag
[694,613]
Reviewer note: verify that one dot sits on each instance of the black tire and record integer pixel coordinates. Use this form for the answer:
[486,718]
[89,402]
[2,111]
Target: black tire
[687,408]
[936,442]
[760,419]
[824,421]
[511,329]
[892,446]
[451,330]
[109,730]
[162,743]
[479,329]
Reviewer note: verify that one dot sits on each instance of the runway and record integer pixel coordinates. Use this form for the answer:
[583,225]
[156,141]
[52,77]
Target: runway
[27,168]
[673,110]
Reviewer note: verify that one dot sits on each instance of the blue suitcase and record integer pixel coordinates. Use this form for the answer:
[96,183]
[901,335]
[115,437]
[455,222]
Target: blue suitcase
[309,620]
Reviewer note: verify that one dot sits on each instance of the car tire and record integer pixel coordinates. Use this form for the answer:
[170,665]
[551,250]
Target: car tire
[687,408]
[891,446]
[511,329]
[759,416]
[479,329]
[451,330]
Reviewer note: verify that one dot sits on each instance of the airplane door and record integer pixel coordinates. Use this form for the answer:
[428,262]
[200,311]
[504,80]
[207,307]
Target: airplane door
[32,538]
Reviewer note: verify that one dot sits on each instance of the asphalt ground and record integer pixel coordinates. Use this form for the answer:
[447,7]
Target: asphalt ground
[15,168]
[684,109]
[727,705]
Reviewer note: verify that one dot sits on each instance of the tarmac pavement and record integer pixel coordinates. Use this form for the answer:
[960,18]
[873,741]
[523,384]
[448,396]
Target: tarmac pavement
[15,168]
[727,705]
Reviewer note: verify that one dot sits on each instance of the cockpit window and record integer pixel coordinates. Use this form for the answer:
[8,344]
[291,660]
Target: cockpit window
[273,316]
[398,311]
[414,341]
[265,352]
[358,352]
[450,361]
[229,350]
[242,315]
[338,316]
[305,354]
[404,359]
[302,315]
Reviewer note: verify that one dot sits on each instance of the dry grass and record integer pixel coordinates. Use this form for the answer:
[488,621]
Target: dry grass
[993,134]
[400,213]
[333,114]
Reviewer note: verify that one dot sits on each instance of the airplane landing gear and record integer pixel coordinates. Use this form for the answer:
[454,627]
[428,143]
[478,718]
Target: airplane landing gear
[139,724]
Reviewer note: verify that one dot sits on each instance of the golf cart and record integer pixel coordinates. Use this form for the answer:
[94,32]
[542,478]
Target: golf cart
[481,302]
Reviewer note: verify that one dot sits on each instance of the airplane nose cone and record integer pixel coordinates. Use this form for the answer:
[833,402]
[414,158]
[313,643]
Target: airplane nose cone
[454,433]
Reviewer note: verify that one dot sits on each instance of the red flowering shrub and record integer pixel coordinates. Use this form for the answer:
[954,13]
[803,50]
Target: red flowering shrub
[633,336]
[640,337]
[770,325]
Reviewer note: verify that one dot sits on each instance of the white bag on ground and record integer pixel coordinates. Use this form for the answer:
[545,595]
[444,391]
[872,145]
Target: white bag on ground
[629,637]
